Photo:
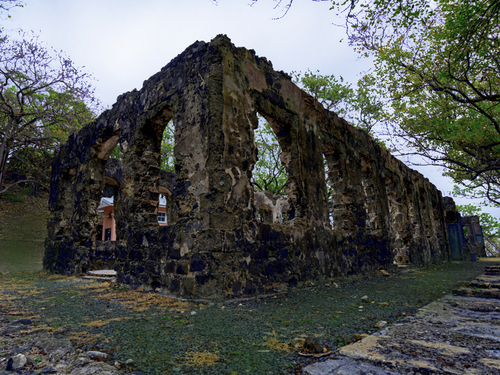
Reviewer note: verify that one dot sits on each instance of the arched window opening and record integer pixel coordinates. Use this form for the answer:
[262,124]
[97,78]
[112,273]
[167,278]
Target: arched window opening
[269,175]
[167,148]
[160,144]
[113,175]
[167,174]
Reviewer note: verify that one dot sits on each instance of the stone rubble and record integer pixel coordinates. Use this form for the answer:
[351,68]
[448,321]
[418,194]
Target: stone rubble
[26,350]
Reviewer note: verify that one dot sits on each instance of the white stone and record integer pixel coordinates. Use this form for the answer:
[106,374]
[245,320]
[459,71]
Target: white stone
[95,354]
[102,273]
[18,361]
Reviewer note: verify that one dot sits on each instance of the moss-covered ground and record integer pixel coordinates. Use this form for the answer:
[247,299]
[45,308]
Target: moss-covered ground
[164,335]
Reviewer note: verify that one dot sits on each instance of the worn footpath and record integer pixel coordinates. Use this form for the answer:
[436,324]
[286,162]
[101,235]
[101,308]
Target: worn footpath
[458,334]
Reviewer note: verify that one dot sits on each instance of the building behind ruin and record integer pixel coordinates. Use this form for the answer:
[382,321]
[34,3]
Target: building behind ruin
[351,207]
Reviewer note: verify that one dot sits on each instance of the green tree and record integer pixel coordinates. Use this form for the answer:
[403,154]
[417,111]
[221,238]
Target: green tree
[489,224]
[269,173]
[167,148]
[361,106]
[43,98]
[438,64]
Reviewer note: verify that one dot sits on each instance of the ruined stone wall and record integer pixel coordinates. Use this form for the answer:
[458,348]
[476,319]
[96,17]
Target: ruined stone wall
[475,239]
[380,211]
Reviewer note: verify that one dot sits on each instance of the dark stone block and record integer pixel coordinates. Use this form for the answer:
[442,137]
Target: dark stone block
[174,253]
[188,285]
[273,268]
[249,287]
[175,286]
[255,269]
[236,287]
[182,268]
[202,279]
[152,268]
[170,267]
[264,232]
[135,254]
[262,253]
[197,263]
[283,254]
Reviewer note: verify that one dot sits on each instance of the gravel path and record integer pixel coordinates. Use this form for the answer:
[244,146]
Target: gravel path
[155,334]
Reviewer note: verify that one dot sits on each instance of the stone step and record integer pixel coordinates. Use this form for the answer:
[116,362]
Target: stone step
[96,278]
[493,293]
[496,267]
[101,275]
[482,284]
[492,270]
[496,273]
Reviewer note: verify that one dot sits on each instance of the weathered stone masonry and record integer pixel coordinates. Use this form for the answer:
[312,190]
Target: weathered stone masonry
[215,247]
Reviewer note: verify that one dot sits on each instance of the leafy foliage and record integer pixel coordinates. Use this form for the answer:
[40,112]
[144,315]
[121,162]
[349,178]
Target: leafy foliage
[362,106]
[43,98]
[438,64]
[167,148]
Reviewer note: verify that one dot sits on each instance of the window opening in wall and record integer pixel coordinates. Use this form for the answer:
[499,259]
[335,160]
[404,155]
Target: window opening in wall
[116,153]
[167,166]
[167,148]
[106,213]
[261,215]
[162,210]
[106,224]
[329,192]
[269,174]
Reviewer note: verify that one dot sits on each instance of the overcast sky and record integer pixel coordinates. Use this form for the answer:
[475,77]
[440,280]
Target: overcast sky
[123,42]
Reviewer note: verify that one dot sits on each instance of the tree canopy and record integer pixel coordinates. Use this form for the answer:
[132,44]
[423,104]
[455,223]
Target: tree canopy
[43,98]
[438,64]
[269,173]
[361,106]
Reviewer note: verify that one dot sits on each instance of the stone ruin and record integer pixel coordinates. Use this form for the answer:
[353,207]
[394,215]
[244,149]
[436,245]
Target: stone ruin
[465,234]
[350,207]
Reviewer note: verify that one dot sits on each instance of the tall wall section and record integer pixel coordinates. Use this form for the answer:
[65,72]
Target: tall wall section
[352,207]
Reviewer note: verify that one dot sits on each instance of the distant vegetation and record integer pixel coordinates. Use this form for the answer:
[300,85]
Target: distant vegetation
[44,97]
